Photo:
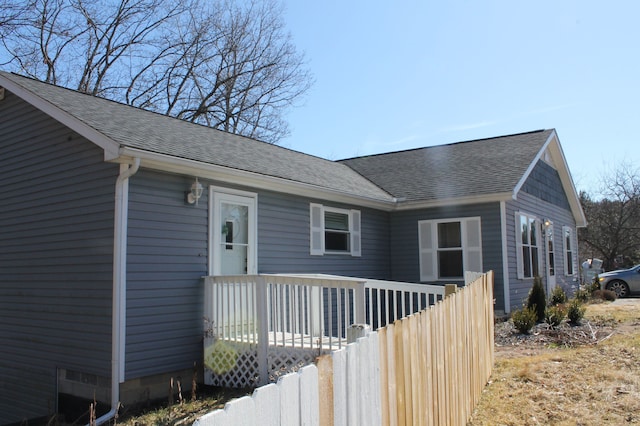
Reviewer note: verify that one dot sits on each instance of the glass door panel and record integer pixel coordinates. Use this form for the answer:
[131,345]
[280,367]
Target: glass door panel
[233,234]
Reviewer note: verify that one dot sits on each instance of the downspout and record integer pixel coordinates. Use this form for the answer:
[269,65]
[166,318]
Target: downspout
[118,313]
[505,258]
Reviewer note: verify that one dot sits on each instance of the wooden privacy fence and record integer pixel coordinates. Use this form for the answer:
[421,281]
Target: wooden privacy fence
[435,364]
[426,369]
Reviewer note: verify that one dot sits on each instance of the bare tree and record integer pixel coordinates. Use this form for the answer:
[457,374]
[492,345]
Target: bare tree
[613,229]
[224,64]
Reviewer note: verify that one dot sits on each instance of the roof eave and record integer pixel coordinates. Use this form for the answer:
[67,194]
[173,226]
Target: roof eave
[171,164]
[109,146]
[473,199]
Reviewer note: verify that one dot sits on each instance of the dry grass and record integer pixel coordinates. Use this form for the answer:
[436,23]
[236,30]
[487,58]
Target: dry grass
[180,414]
[597,384]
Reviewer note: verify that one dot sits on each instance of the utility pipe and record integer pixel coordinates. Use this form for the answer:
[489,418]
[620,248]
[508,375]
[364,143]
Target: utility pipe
[118,309]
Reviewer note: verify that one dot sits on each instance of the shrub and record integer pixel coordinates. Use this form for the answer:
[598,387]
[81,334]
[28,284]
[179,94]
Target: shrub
[593,285]
[558,296]
[582,294]
[575,312]
[524,319]
[537,300]
[607,295]
[554,315]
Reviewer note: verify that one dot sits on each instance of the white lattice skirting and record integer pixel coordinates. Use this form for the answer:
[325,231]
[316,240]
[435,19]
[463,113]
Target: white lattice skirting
[234,364]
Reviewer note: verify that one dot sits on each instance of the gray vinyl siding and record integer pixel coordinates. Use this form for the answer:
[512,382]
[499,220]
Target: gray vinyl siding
[56,254]
[284,240]
[166,258]
[556,209]
[405,262]
[168,255]
[544,183]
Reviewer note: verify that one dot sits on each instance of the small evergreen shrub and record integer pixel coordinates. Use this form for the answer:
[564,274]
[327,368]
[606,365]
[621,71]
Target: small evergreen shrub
[554,315]
[575,312]
[537,299]
[582,294]
[524,319]
[558,296]
[593,285]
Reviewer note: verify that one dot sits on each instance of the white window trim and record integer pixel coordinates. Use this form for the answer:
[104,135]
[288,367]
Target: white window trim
[519,245]
[317,231]
[428,247]
[566,250]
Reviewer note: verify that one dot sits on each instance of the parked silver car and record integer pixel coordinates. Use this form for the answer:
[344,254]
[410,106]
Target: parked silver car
[624,282]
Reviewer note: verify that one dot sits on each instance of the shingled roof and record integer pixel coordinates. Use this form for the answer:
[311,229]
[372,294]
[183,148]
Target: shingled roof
[459,170]
[474,171]
[140,129]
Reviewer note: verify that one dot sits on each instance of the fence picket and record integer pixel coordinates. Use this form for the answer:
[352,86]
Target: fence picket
[266,398]
[340,387]
[241,412]
[309,397]
[290,393]
[325,389]
[352,384]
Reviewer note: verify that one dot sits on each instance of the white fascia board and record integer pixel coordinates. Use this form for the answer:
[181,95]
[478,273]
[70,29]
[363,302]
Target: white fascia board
[184,166]
[109,146]
[567,182]
[533,164]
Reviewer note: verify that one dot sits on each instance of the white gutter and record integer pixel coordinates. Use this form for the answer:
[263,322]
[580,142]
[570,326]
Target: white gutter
[118,313]
[167,163]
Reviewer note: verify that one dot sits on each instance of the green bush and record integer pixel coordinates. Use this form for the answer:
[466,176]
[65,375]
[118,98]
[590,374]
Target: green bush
[575,312]
[558,296]
[537,299]
[524,319]
[582,294]
[593,285]
[554,315]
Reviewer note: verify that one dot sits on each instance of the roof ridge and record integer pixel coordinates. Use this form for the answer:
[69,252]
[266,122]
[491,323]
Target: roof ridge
[443,145]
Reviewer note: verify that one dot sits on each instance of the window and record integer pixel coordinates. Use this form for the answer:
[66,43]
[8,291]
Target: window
[528,245]
[334,231]
[449,247]
[567,236]
[551,251]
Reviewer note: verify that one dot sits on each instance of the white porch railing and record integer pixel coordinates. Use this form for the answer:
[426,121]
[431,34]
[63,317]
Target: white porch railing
[258,326]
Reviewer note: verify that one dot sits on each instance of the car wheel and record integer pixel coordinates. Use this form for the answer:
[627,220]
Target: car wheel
[619,287]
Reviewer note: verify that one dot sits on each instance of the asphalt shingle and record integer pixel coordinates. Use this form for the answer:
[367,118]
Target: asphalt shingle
[463,169]
[137,128]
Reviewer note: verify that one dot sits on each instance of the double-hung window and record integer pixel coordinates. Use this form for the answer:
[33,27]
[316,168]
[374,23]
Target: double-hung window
[334,231]
[528,244]
[449,247]
[567,237]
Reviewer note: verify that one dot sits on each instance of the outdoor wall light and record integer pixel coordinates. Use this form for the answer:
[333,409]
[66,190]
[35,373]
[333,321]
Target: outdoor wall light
[196,192]
[547,223]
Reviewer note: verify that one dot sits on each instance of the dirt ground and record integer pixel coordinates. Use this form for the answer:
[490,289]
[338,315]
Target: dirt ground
[582,375]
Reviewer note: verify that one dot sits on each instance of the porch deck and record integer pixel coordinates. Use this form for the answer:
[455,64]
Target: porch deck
[259,325]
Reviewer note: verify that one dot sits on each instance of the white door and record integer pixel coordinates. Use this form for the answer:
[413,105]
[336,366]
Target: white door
[550,257]
[233,229]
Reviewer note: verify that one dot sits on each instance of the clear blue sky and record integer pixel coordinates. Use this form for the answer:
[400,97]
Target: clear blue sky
[394,75]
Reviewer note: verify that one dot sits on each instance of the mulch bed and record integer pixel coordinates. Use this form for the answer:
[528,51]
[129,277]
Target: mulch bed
[589,332]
